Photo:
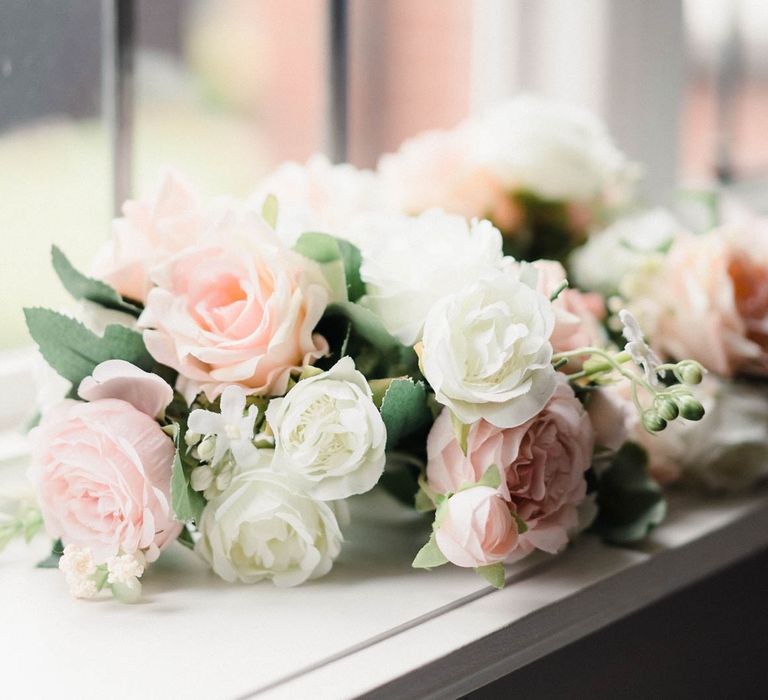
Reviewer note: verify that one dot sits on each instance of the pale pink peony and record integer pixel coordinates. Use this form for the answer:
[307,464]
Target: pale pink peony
[118,379]
[102,472]
[150,231]
[436,170]
[238,308]
[578,315]
[711,301]
[475,528]
[542,463]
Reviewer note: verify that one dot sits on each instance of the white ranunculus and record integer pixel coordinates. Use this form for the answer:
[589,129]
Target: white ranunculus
[726,450]
[556,151]
[329,435]
[318,196]
[487,353]
[409,263]
[630,244]
[261,527]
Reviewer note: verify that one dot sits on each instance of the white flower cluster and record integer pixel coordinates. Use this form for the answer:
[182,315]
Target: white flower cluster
[85,578]
[271,510]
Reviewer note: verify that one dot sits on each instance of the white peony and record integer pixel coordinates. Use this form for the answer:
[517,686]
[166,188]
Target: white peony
[409,263]
[261,527]
[329,435]
[556,151]
[486,351]
[317,196]
[631,245]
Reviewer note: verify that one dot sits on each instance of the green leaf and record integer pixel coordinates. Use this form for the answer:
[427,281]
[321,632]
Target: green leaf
[187,503]
[366,324]
[423,503]
[461,431]
[269,211]
[352,258]
[82,287]
[522,526]
[429,556]
[630,504]
[493,573]
[404,409]
[339,261]
[73,350]
[185,538]
[491,477]
[52,560]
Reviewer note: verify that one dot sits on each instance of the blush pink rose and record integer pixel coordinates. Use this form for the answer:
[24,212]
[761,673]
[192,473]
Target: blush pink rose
[102,472]
[150,231]
[542,462]
[436,170]
[711,303]
[239,308]
[578,315]
[118,379]
[475,528]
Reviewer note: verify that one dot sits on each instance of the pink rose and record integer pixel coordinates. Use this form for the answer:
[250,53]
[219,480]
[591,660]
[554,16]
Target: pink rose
[436,170]
[475,528]
[150,231]
[542,461]
[578,315]
[239,308]
[102,472]
[711,301]
[118,379]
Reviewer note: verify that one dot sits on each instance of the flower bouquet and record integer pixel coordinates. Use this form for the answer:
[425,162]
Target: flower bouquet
[239,369]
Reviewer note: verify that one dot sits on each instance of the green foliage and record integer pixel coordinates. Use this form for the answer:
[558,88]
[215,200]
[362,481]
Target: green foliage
[338,259]
[82,287]
[73,350]
[493,573]
[52,560]
[269,211]
[404,410]
[187,503]
[490,478]
[429,556]
[630,503]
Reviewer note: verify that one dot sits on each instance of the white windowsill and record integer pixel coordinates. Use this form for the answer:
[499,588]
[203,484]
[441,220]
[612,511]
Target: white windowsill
[370,623]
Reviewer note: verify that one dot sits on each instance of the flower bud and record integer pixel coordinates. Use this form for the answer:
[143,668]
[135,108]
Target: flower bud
[206,448]
[653,422]
[191,438]
[690,408]
[689,372]
[666,408]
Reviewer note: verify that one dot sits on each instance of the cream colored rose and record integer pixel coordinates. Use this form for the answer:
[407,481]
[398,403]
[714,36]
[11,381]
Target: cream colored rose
[553,150]
[329,435]
[263,528]
[486,351]
[409,263]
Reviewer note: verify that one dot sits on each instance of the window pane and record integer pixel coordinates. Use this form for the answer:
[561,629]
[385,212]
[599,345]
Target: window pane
[226,89]
[54,179]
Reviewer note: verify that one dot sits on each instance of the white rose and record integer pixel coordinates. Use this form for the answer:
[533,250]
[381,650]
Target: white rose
[262,528]
[329,435]
[556,151]
[318,196]
[632,244]
[724,451]
[409,263]
[487,354]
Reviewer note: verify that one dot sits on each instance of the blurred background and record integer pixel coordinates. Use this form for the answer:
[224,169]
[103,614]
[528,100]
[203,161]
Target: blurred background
[226,89]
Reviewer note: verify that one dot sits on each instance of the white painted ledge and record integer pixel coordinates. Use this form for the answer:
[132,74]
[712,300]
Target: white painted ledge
[372,626]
